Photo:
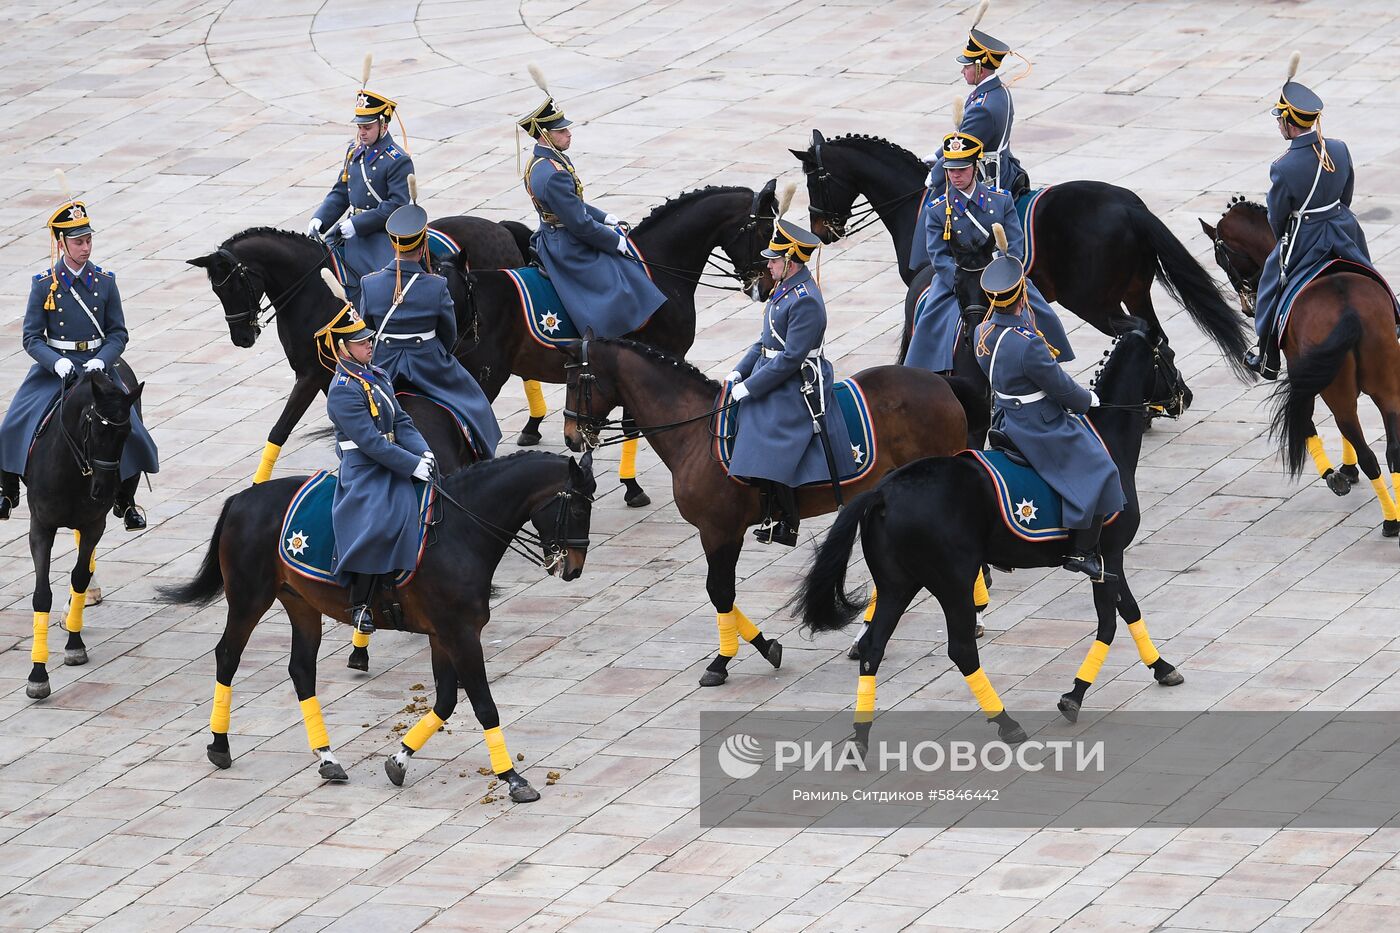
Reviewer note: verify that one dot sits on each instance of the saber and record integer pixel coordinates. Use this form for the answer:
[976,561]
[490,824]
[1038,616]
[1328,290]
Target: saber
[819,416]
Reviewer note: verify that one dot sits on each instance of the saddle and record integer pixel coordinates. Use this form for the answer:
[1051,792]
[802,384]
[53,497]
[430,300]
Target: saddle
[998,439]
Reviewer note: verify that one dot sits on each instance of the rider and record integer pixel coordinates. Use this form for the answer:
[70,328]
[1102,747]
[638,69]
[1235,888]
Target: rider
[74,320]
[583,249]
[375,513]
[785,387]
[988,112]
[1039,407]
[1309,210]
[416,326]
[372,183]
[960,219]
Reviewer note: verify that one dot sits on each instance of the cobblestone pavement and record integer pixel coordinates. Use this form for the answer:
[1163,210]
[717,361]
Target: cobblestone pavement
[183,121]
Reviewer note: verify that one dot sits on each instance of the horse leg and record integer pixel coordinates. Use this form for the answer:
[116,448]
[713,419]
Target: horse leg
[94,592]
[635,496]
[534,397]
[961,617]
[1335,481]
[719,583]
[1350,468]
[1166,674]
[306,642]
[899,593]
[303,392]
[75,652]
[1105,601]
[853,652]
[244,611]
[471,671]
[40,549]
[1392,459]
[445,682]
[1354,444]
[981,597]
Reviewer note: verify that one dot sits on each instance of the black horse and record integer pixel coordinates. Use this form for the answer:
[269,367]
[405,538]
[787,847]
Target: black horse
[264,274]
[931,525]
[72,476]
[481,510]
[1097,247]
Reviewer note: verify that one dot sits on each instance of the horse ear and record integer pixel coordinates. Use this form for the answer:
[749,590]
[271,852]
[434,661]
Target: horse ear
[203,262]
[136,392]
[586,464]
[803,157]
[817,137]
[1210,231]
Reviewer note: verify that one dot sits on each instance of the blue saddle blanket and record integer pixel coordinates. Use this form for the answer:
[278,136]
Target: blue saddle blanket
[545,317]
[850,400]
[1025,212]
[442,246]
[307,542]
[1296,284]
[1030,509]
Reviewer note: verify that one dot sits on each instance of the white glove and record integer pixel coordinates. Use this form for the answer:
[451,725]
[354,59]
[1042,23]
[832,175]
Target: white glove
[739,392]
[612,220]
[622,244]
[347,229]
[424,470]
[734,376]
[314,228]
[930,182]
[931,159]
[63,367]
[428,455]
[94,364]
[1093,399]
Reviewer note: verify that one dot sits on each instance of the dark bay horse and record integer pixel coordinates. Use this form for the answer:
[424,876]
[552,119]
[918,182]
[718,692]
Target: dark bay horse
[915,414]
[1340,341]
[482,510]
[1098,247]
[72,477]
[931,525]
[264,274]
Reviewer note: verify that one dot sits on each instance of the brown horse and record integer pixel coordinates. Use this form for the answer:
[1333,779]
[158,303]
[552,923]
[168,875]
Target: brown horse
[915,414]
[1340,341]
[481,510]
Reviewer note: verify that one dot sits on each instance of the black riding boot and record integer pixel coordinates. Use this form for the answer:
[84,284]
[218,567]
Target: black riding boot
[9,494]
[780,524]
[361,588]
[1084,552]
[125,507]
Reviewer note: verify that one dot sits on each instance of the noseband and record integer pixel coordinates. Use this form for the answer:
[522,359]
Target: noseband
[81,446]
[254,310]
[1170,407]
[1246,287]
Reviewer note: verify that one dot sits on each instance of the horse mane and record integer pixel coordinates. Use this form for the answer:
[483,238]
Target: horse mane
[685,197]
[1245,202]
[690,370]
[485,469]
[268,231]
[866,141]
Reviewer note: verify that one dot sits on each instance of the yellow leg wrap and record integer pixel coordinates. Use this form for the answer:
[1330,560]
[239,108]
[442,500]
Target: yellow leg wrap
[223,702]
[980,596]
[627,469]
[1319,455]
[359,640]
[534,397]
[1146,650]
[865,698]
[747,630]
[1093,661]
[316,735]
[1388,508]
[728,633]
[422,731]
[77,602]
[870,607]
[269,457]
[39,653]
[985,693]
[1348,453]
[496,745]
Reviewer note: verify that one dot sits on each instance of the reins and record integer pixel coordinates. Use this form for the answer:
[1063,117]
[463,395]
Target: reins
[254,310]
[522,540]
[82,456]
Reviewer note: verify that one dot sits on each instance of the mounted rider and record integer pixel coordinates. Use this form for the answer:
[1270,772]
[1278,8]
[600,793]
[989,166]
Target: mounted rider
[375,512]
[582,248]
[415,322]
[961,218]
[371,185]
[1309,208]
[73,321]
[988,112]
[1039,407]
[789,431]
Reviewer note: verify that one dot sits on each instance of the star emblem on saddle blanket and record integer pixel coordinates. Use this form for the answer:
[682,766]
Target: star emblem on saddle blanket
[1026,511]
[549,322]
[857,453]
[298,543]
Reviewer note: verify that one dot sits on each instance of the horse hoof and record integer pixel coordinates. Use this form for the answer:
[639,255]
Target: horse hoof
[37,690]
[332,772]
[1390,528]
[774,654]
[1351,473]
[358,660]
[75,657]
[221,760]
[523,792]
[1171,679]
[853,652]
[395,771]
[94,596]
[1011,732]
[635,496]
[862,748]
[980,630]
[1338,483]
[528,439]
[1069,707]
[713,678]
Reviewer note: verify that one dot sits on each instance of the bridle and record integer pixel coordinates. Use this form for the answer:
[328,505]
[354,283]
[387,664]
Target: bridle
[81,446]
[1246,287]
[837,221]
[729,267]
[253,311]
[1170,407]
[553,548]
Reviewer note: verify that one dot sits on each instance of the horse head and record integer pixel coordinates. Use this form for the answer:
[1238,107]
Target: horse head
[967,281]
[830,197]
[101,432]
[264,264]
[239,289]
[1140,371]
[1242,240]
[587,400]
[563,526]
[746,247]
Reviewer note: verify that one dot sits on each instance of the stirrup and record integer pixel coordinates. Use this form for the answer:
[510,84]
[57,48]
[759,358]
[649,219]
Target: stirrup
[134,517]
[362,619]
[1090,564]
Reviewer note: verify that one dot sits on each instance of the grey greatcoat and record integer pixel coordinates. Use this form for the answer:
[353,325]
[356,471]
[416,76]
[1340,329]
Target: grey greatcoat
[988,115]
[1031,400]
[774,440]
[1328,229]
[934,340]
[371,184]
[375,509]
[414,347]
[600,288]
[102,336]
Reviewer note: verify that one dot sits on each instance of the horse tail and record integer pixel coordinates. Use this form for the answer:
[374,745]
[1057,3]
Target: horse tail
[522,235]
[822,598]
[209,582]
[976,402]
[1188,282]
[1307,376]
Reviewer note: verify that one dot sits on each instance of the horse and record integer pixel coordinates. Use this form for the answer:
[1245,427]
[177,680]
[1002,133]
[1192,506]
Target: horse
[1096,247]
[1339,341]
[914,413]
[675,241]
[931,524]
[78,449]
[263,274]
[482,510]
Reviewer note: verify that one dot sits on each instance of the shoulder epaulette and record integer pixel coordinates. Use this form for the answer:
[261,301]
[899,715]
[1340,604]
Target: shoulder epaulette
[391,152]
[38,276]
[800,289]
[342,379]
[1025,332]
[101,271]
